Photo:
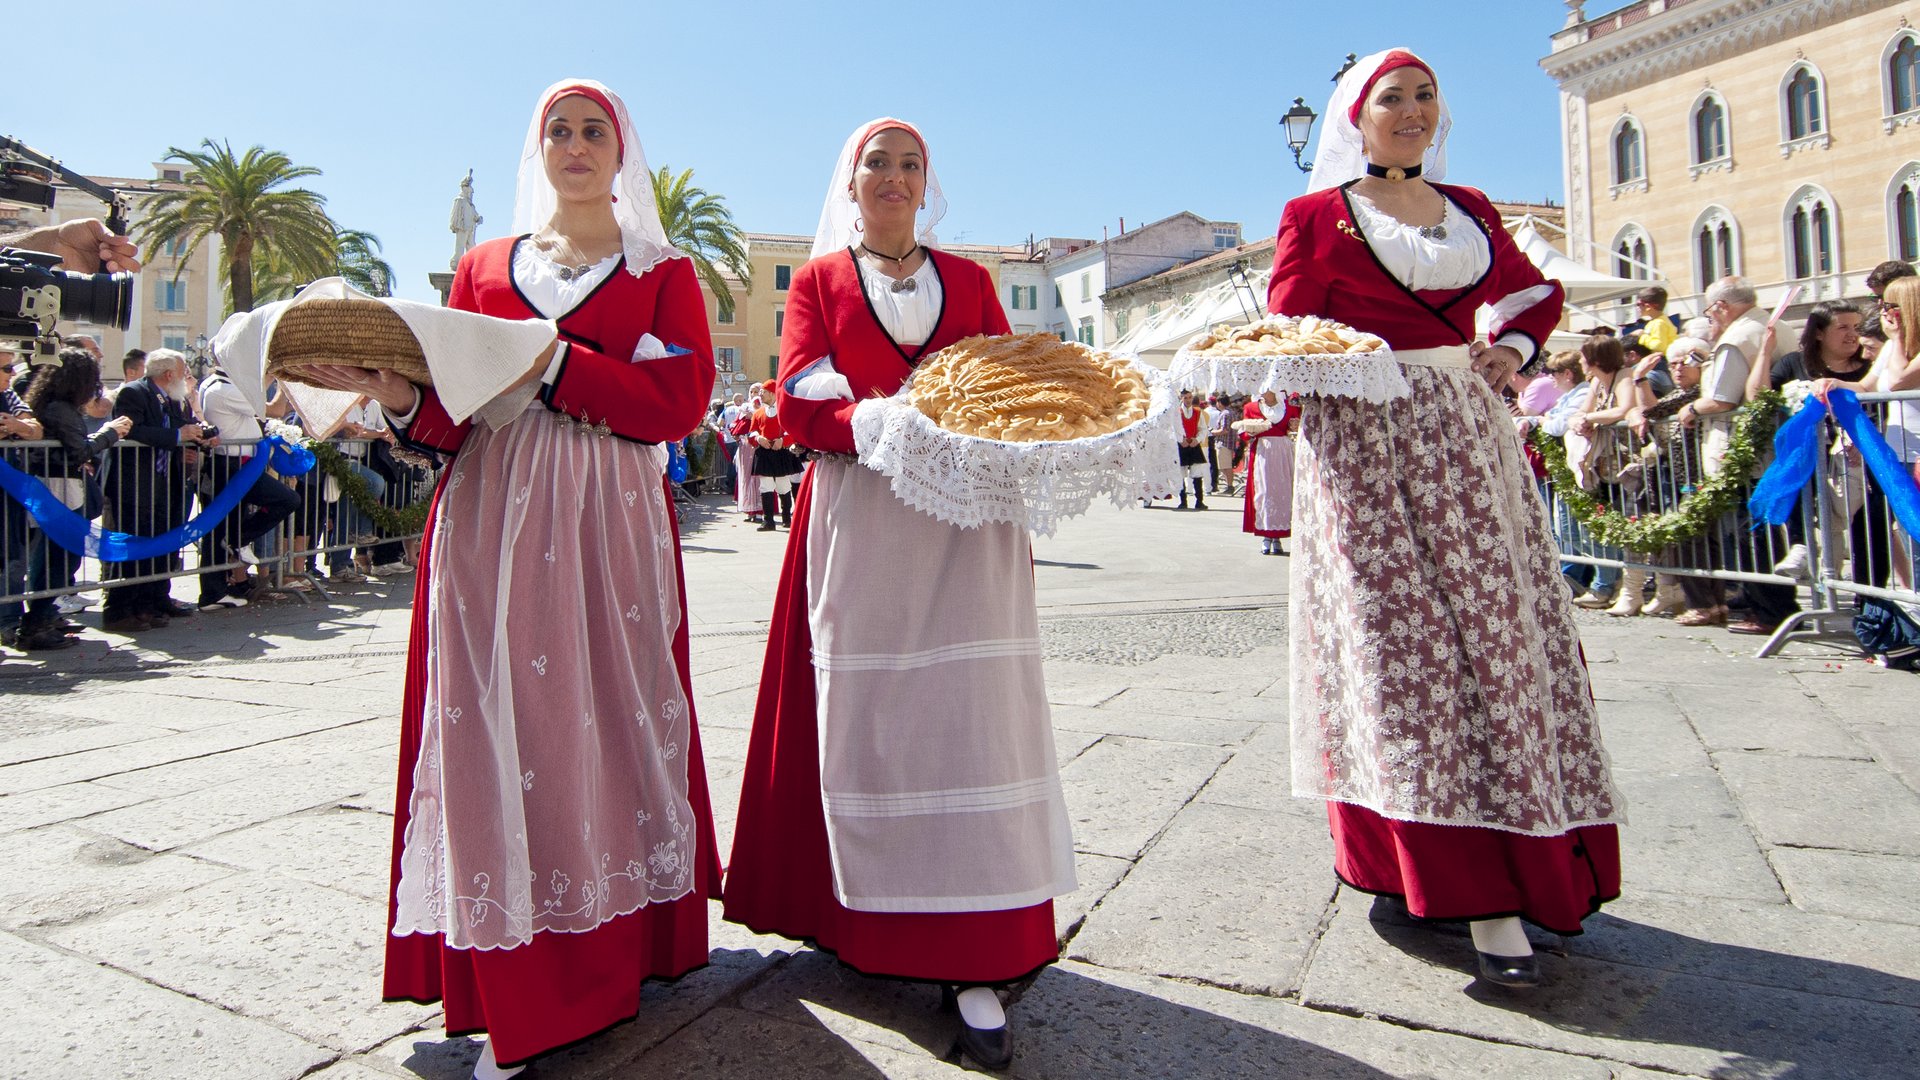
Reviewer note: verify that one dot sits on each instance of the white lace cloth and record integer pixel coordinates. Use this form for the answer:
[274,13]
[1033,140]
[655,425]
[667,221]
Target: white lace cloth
[969,481]
[1373,377]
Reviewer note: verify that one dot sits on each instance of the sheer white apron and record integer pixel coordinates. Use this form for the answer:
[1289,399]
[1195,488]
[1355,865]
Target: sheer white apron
[550,792]
[1436,669]
[937,767]
[1272,469]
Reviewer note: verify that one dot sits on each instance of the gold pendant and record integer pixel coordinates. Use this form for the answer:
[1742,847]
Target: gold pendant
[1396,174]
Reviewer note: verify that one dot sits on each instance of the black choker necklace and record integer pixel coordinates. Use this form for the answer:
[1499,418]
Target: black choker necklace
[899,285]
[1389,172]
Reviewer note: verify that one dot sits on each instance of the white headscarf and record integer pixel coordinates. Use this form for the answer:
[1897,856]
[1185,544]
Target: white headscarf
[534,200]
[840,225]
[1340,157]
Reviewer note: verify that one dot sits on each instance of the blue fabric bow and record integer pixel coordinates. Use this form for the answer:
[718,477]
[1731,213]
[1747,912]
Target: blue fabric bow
[1797,442]
[75,533]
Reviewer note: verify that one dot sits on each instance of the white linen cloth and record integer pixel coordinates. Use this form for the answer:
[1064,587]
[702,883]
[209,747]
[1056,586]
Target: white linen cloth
[937,767]
[473,357]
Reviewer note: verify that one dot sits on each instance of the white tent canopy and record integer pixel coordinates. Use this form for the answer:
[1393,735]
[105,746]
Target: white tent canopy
[1584,284]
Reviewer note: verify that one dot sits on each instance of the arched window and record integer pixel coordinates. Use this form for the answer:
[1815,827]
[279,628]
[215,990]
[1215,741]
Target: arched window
[1633,253]
[1629,152]
[1903,73]
[1710,142]
[1716,246]
[1812,233]
[1802,95]
[1903,213]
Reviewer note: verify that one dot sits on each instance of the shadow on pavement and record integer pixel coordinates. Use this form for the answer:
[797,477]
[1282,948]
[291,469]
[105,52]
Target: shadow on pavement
[1643,984]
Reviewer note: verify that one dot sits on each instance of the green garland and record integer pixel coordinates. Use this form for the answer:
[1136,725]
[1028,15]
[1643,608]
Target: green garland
[406,521]
[1700,507]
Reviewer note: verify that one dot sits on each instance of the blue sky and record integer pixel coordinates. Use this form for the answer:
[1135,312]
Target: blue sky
[1042,118]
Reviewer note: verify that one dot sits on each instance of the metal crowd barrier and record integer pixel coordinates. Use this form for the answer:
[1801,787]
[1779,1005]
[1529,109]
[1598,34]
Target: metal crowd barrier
[148,491]
[1853,545]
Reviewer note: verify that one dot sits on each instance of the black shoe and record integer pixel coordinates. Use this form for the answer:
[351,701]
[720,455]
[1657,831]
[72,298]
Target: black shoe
[990,1048]
[1198,505]
[177,609]
[1517,971]
[131,622]
[45,639]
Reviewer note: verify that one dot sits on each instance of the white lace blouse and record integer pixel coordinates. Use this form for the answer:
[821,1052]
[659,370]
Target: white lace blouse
[1422,262]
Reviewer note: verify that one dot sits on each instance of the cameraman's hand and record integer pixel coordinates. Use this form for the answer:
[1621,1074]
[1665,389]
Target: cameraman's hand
[85,246]
[190,433]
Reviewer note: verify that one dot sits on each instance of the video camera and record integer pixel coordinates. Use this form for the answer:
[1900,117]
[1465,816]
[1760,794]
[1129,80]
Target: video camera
[34,294]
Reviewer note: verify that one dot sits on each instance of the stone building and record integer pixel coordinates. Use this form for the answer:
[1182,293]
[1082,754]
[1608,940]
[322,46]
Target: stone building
[1772,139]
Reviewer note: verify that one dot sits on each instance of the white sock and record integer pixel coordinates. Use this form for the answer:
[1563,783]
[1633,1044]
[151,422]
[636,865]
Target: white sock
[980,1008]
[1501,937]
[487,1068]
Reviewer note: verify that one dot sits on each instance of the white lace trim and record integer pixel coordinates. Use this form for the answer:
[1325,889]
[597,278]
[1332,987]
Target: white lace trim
[1374,377]
[969,481]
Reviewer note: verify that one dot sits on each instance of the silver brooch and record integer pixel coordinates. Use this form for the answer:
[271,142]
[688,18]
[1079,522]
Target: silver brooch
[568,273]
[1434,232]
[905,285]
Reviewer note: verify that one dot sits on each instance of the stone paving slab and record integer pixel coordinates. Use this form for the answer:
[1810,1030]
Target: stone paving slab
[334,848]
[1122,792]
[1118,719]
[1824,803]
[64,803]
[1856,885]
[304,959]
[70,1017]
[63,874]
[1612,1012]
[1228,896]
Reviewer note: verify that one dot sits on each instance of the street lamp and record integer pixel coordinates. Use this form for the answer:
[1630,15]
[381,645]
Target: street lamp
[198,356]
[1299,124]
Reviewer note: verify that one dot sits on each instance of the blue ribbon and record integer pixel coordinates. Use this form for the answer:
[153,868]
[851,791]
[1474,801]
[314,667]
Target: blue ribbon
[1796,444]
[75,533]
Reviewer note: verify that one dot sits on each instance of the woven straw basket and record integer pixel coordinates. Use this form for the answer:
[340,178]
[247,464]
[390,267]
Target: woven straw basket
[345,332]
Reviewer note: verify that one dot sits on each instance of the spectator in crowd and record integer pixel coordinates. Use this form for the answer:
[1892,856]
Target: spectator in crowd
[1611,398]
[1567,373]
[1664,467]
[1739,343]
[57,395]
[746,485]
[730,414]
[1886,274]
[141,491]
[17,424]
[268,503]
[1533,393]
[361,429]
[1654,329]
[1193,456]
[1221,444]
[133,366]
[1895,369]
[1873,336]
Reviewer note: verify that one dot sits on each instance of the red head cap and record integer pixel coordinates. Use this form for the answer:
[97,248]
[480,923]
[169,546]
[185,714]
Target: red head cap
[1398,58]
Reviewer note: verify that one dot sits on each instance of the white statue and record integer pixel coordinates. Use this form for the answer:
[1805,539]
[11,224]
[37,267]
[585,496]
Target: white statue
[465,220]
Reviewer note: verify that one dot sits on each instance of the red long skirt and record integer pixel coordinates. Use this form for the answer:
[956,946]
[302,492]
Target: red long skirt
[1457,872]
[780,879]
[558,988]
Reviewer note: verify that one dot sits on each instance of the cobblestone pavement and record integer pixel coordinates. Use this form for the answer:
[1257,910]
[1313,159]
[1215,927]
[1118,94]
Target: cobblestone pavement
[195,827]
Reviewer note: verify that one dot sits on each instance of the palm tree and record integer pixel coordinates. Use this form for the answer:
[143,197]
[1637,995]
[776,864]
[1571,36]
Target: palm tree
[699,223]
[246,202]
[356,257]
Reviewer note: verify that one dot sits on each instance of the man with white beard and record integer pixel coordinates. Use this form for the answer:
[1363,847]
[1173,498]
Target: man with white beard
[141,489]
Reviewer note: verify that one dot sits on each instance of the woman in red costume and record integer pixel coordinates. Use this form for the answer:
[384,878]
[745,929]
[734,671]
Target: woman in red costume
[774,463]
[1269,437]
[901,803]
[1440,702]
[553,842]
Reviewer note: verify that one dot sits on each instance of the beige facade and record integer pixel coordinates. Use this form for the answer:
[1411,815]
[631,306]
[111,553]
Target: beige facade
[1774,140]
[759,312]
[168,311]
